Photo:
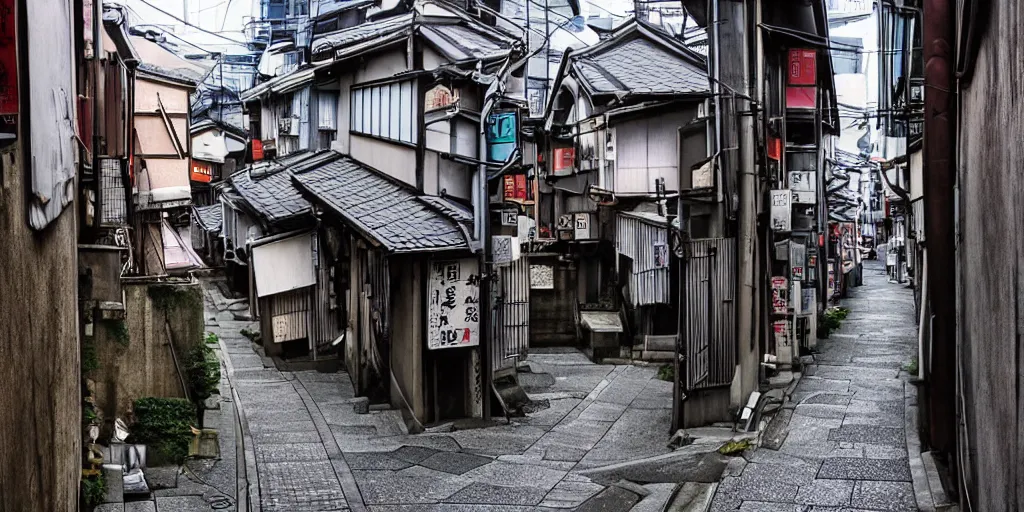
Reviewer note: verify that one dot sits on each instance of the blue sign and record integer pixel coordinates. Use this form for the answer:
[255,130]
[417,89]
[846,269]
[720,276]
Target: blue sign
[502,135]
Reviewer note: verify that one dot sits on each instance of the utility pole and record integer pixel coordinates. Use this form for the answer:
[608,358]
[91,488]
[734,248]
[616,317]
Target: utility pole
[739,175]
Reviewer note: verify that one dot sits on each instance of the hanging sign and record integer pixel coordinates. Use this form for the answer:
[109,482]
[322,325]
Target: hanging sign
[563,161]
[803,187]
[514,188]
[509,218]
[502,135]
[781,207]
[440,97]
[453,313]
[504,249]
[201,172]
[797,256]
[780,295]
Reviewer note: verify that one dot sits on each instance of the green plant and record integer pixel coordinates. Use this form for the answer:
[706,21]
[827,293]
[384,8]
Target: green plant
[118,329]
[94,487]
[89,415]
[202,369]
[254,336]
[912,367]
[165,426]
[734,447]
[90,361]
[212,339]
[667,373]
[831,320]
[168,297]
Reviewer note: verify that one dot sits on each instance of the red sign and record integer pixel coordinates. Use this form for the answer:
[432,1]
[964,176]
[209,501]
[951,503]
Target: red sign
[515,188]
[8,58]
[801,97]
[201,171]
[257,150]
[802,66]
[563,160]
[774,148]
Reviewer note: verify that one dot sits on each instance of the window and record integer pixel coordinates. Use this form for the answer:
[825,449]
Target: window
[387,111]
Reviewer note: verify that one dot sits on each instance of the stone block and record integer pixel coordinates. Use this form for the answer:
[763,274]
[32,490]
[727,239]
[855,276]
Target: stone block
[361,405]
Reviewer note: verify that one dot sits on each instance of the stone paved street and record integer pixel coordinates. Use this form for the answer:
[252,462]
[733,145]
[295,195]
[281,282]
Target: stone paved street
[313,452]
[846,444]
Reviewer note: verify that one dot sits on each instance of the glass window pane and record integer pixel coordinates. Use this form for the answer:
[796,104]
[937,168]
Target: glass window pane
[375,111]
[395,110]
[407,113]
[385,112]
[356,117]
[367,108]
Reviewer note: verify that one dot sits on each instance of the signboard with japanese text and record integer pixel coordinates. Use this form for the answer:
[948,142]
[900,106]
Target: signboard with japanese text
[542,277]
[781,210]
[581,226]
[780,295]
[797,257]
[509,218]
[440,97]
[201,172]
[563,161]
[515,189]
[803,186]
[781,329]
[453,309]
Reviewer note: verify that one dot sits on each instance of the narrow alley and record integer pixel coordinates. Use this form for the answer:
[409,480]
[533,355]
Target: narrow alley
[843,444]
[307,447]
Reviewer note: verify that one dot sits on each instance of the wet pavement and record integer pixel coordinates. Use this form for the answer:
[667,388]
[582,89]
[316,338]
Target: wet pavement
[845,447]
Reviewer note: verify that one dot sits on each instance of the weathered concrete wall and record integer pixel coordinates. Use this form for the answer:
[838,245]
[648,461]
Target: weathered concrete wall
[991,258]
[145,366]
[40,391]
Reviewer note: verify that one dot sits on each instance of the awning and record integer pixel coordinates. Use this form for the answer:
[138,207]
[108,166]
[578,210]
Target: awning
[283,264]
[178,255]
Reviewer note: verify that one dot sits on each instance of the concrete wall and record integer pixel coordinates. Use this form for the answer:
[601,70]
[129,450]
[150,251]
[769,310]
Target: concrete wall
[991,256]
[146,367]
[392,159]
[40,390]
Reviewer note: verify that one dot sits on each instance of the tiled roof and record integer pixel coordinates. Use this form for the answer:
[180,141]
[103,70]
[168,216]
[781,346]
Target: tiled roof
[459,42]
[332,6]
[381,209]
[639,65]
[361,33]
[210,217]
[267,187]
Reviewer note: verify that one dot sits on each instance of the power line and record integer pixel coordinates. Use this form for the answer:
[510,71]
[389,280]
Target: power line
[201,29]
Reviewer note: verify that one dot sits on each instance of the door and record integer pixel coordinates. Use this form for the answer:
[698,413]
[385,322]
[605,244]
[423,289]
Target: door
[512,316]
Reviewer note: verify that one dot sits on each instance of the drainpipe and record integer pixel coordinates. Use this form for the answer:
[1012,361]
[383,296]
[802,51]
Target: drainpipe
[481,235]
[939,200]
[97,49]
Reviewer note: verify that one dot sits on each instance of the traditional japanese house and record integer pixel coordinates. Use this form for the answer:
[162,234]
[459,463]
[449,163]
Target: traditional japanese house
[624,115]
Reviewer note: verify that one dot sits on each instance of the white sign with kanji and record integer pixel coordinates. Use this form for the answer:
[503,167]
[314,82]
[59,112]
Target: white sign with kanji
[453,313]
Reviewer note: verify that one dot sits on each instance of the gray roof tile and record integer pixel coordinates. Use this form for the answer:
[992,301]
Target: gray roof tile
[383,210]
[210,217]
[360,33]
[267,187]
[639,65]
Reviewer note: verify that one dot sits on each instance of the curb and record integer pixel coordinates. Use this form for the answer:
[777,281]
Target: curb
[251,489]
[922,490]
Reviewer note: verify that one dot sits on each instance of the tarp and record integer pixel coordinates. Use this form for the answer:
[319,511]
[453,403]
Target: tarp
[283,264]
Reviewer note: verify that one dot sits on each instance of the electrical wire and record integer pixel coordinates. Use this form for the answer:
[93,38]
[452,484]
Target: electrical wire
[187,24]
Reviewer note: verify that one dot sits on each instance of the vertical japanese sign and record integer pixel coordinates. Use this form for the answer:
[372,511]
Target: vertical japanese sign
[797,257]
[781,329]
[453,313]
[780,295]
[8,58]
[781,206]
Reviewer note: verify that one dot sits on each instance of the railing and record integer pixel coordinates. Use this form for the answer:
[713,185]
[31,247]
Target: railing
[113,208]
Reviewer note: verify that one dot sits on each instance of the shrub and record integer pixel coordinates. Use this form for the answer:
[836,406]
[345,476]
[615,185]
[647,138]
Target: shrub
[94,487]
[202,368]
[90,360]
[667,372]
[165,426]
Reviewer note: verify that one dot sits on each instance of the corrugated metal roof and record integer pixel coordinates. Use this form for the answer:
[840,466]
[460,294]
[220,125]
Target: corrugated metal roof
[385,211]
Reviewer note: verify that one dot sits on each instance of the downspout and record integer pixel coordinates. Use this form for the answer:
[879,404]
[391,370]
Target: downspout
[481,230]
[939,200]
[97,49]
